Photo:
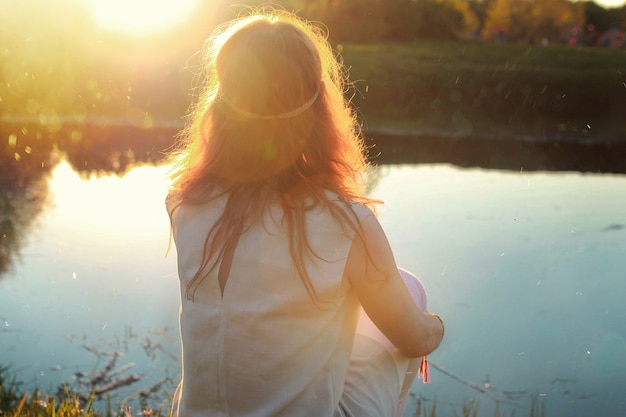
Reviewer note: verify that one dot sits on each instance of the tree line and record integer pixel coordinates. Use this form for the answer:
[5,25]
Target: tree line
[515,20]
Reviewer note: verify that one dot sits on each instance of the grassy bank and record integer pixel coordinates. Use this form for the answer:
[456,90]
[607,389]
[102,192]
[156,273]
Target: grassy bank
[486,90]
[15,403]
[433,88]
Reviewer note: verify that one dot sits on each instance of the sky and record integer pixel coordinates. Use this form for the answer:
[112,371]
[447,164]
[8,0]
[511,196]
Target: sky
[610,3]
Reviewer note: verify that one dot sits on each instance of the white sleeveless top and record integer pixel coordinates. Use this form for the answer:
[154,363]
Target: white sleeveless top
[264,348]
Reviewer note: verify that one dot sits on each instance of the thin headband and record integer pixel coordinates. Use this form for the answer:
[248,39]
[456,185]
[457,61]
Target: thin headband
[257,116]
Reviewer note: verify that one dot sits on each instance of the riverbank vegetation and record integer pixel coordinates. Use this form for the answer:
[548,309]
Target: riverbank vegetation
[74,401]
[16,403]
[464,93]
[477,89]
[554,21]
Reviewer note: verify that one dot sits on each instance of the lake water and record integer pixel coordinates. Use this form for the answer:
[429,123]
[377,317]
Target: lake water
[527,268]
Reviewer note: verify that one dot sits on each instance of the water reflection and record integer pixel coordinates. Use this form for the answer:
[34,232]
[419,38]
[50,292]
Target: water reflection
[23,192]
[32,150]
[494,153]
[106,146]
[19,207]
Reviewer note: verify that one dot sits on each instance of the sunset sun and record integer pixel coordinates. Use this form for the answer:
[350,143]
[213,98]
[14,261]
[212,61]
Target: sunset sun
[139,17]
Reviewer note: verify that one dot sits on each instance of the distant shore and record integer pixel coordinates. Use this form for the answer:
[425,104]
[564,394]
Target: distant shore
[489,105]
[490,91]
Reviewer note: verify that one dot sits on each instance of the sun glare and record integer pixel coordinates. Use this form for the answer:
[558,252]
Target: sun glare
[139,17]
[612,3]
[109,205]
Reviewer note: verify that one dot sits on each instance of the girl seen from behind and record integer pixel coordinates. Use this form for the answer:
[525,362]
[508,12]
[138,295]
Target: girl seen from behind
[278,247]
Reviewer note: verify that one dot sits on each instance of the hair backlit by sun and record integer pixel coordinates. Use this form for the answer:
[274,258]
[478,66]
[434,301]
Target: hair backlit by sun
[139,17]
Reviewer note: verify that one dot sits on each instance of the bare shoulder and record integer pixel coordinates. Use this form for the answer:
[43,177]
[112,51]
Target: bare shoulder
[172,201]
[371,257]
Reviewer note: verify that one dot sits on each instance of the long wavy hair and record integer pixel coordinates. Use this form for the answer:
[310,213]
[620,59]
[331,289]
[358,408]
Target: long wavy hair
[272,124]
